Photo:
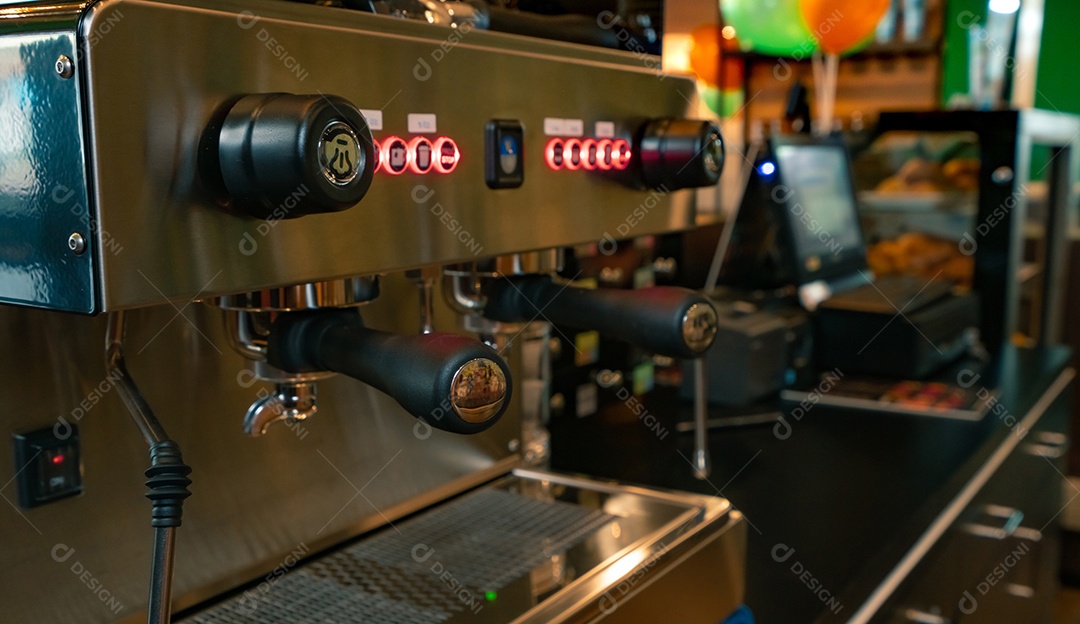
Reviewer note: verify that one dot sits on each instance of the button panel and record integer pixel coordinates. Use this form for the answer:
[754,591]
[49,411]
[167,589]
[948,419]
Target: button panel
[48,465]
[589,154]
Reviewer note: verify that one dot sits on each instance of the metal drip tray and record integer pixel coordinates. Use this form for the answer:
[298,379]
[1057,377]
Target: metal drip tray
[530,547]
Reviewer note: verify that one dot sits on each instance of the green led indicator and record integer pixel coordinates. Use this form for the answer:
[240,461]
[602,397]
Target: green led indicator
[491,596]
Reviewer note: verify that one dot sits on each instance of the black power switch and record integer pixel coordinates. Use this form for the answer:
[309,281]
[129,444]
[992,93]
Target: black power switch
[48,466]
[504,166]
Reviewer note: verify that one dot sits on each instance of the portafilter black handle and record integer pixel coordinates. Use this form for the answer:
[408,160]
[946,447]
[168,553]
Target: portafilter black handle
[662,319]
[449,381]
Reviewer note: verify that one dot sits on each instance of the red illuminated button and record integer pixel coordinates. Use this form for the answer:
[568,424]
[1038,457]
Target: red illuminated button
[422,155]
[589,154]
[446,155]
[58,459]
[604,157]
[378,155]
[572,154]
[553,153]
[396,156]
[621,154]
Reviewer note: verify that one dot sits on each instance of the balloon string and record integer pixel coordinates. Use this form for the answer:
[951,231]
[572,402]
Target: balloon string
[819,89]
[832,69]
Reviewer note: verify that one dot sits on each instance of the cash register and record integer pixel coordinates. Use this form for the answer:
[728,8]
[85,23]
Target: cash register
[797,245]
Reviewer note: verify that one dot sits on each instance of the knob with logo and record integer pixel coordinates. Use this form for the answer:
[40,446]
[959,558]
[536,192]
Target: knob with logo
[284,156]
[680,153]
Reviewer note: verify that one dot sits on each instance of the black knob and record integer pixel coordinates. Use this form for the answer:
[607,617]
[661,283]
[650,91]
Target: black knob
[663,319]
[450,382]
[283,156]
[680,153]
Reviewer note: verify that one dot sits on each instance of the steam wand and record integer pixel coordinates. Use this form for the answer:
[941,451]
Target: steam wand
[166,476]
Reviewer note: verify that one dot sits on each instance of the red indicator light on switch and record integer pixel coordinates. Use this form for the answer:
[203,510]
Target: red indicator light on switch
[58,459]
[553,154]
[396,156]
[378,155]
[589,154]
[422,155]
[621,154]
[604,154]
[572,154]
[446,155]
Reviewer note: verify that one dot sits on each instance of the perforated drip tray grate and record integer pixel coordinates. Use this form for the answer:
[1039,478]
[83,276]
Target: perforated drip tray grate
[427,570]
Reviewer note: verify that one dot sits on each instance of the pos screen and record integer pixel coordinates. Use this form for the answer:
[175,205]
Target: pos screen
[819,206]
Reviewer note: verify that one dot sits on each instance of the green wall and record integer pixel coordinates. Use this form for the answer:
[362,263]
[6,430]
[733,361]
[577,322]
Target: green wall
[1059,55]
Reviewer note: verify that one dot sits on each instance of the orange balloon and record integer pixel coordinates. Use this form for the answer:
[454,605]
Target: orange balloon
[732,75]
[840,25]
[705,54]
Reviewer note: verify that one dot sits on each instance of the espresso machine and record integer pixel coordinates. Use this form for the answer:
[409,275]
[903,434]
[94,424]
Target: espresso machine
[315,255]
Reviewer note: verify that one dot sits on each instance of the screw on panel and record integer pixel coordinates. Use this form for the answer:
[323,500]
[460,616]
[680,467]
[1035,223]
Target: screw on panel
[65,67]
[77,243]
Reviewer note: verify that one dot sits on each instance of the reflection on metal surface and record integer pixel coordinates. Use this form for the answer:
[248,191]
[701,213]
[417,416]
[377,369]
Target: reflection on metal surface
[43,190]
[533,548]
[699,326]
[478,390]
[312,295]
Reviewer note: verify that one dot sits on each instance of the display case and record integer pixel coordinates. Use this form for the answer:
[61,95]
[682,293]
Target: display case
[983,198]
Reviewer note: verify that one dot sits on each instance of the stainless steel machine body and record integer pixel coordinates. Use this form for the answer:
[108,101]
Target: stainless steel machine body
[104,206]
[151,75]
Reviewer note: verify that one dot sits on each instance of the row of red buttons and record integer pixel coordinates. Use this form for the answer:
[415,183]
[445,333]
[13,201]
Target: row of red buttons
[420,155]
[588,154]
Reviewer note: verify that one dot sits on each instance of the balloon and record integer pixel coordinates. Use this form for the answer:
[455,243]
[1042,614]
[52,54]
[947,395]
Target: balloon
[862,45]
[724,103]
[769,26]
[840,25]
[705,54]
[732,75]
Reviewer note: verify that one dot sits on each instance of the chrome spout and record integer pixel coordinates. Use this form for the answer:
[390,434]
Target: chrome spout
[290,402]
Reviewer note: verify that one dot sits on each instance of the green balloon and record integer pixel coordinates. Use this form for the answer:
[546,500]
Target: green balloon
[714,100]
[723,103]
[769,26]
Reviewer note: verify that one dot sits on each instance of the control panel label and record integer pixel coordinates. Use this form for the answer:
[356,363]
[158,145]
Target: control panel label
[373,118]
[422,123]
[604,130]
[556,126]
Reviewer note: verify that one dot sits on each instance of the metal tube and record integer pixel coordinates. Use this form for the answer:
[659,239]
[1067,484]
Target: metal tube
[702,466]
[136,404]
[159,610]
